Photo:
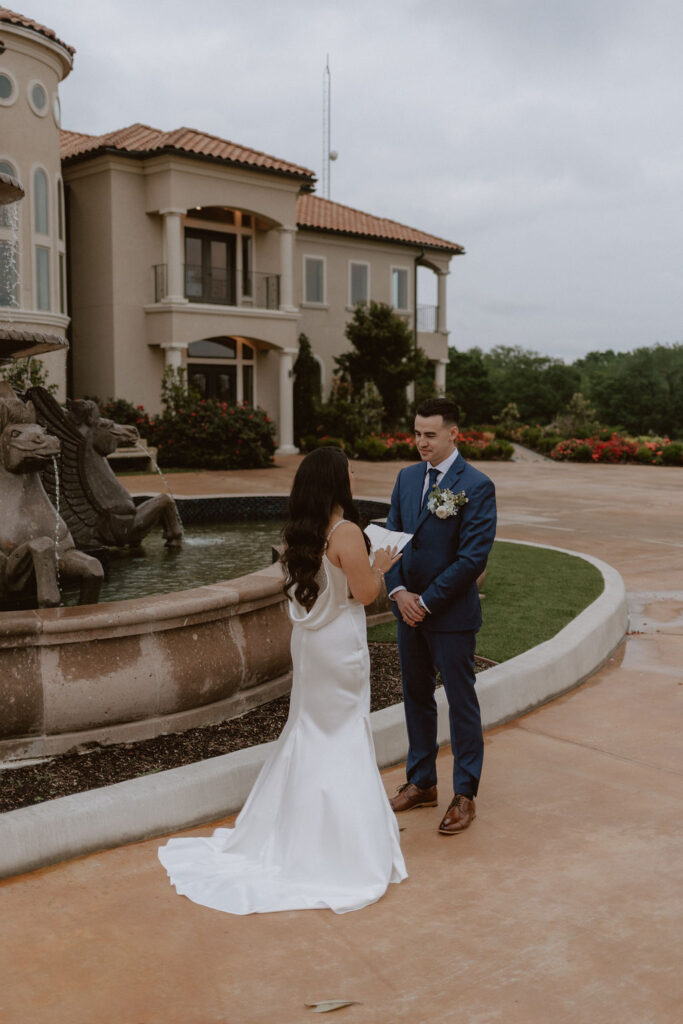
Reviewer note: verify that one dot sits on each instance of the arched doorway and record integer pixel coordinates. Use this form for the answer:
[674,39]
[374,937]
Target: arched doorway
[223,368]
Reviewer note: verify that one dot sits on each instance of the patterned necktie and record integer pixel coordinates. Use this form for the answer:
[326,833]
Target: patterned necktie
[433,473]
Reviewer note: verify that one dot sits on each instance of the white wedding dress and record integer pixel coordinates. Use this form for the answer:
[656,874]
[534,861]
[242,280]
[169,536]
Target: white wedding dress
[317,829]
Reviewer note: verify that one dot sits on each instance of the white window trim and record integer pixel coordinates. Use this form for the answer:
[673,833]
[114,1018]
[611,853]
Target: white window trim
[310,302]
[56,105]
[397,266]
[12,99]
[36,110]
[45,241]
[366,300]
[238,362]
[7,235]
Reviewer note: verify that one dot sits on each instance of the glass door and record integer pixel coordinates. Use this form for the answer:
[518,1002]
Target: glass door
[210,267]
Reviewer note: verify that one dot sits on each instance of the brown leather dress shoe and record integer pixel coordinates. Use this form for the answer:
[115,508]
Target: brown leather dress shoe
[409,795]
[459,816]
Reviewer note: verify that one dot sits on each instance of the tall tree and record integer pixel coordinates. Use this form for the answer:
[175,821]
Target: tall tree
[306,390]
[383,352]
[540,386]
[468,384]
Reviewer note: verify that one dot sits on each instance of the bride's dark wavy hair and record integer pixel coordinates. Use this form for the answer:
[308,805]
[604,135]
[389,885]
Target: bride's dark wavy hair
[321,483]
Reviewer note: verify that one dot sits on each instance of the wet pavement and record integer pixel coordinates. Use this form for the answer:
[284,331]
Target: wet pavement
[562,903]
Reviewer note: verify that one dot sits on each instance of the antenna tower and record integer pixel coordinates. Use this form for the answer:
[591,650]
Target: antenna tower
[328,153]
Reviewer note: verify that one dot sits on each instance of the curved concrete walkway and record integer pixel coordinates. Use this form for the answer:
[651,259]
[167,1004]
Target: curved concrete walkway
[562,902]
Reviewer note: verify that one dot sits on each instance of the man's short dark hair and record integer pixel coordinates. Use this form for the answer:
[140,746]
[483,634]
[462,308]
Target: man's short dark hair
[440,407]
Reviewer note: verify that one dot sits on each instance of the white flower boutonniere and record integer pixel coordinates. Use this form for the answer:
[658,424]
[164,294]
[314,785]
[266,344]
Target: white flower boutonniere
[445,504]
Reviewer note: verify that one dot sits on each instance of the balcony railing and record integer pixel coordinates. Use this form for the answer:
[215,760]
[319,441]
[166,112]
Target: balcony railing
[427,318]
[220,287]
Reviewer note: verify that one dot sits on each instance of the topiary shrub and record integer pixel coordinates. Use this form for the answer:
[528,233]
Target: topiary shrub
[672,454]
[582,453]
[370,448]
[404,450]
[330,442]
[645,455]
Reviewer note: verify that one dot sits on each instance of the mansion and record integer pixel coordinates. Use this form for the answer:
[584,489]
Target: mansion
[149,249]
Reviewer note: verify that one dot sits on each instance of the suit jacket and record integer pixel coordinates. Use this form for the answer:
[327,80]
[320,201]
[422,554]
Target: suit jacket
[446,556]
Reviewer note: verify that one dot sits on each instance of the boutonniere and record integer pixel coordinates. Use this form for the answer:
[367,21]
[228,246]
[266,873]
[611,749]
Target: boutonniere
[445,504]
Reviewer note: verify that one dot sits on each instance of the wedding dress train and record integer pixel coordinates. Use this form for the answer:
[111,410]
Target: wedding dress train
[317,829]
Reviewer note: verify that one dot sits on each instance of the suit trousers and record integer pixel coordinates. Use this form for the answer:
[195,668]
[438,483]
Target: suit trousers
[423,652]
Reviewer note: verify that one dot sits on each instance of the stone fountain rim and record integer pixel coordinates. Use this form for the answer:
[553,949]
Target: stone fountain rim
[11,189]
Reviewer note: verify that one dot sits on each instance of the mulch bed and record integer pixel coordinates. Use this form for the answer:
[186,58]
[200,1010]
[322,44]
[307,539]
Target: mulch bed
[92,765]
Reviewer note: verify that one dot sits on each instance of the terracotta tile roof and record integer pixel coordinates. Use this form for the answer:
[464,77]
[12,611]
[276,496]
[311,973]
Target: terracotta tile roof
[12,18]
[313,213]
[140,140]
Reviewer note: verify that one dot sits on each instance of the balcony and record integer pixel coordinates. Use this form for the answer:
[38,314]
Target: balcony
[427,318]
[217,286]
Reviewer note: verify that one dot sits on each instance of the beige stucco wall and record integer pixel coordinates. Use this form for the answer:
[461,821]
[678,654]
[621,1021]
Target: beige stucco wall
[123,336]
[29,141]
[121,333]
[324,324]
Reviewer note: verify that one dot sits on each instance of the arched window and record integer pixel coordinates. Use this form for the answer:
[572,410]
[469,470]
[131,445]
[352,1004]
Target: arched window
[9,251]
[223,368]
[61,253]
[41,220]
[41,226]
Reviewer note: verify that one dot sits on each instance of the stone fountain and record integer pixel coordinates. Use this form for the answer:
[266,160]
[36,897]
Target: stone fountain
[129,669]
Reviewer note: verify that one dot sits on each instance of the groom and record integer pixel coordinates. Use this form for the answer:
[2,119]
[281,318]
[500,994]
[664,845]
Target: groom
[450,509]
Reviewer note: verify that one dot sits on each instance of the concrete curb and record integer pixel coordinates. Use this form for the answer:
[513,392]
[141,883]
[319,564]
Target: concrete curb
[155,805]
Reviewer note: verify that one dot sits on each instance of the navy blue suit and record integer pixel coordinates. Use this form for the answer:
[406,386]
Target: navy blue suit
[442,564]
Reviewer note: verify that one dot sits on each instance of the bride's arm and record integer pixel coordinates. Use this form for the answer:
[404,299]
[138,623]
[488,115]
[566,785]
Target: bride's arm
[347,550]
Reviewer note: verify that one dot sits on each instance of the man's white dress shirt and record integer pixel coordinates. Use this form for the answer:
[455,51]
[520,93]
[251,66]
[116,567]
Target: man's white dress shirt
[443,468]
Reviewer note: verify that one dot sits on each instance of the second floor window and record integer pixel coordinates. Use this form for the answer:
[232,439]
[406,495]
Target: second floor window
[314,279]
[358,283]
[399,288]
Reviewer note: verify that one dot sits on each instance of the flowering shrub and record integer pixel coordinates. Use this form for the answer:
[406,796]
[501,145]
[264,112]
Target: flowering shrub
[209,434]
[472,444]
[121,411]
[594,449]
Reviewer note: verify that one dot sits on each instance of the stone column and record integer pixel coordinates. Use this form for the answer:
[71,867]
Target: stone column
[440,376]
[287,236]
[286,419]
[174,255]
[441,308]
[173,356]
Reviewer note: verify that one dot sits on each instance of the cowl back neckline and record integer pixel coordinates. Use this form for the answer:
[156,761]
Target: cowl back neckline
[332,596]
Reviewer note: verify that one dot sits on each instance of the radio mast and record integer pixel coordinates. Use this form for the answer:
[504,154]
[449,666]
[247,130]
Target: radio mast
[328,154]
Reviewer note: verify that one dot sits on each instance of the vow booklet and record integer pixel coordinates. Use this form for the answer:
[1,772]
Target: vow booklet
[380,537]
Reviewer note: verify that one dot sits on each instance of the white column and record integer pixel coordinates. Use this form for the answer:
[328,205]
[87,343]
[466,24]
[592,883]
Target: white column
[174,255]
[440,376]
[441,310]
[173,356]
[286,419]
[287,236]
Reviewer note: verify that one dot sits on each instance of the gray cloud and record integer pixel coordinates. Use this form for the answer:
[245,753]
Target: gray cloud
[543,135]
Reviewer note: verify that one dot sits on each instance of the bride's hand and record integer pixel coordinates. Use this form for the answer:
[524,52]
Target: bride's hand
[385,558]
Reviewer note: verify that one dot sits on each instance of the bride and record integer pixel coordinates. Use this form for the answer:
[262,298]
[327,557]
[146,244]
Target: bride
[317,829]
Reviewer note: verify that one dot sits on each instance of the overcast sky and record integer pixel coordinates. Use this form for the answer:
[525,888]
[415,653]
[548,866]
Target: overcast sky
[545,136]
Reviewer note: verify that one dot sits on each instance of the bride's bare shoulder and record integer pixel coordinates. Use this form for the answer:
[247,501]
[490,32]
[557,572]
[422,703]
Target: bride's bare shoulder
[345,537]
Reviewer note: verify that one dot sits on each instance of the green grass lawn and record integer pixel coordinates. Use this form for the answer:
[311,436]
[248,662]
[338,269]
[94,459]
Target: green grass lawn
[528,596]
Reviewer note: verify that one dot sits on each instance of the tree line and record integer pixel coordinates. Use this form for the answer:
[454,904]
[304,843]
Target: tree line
[639,392]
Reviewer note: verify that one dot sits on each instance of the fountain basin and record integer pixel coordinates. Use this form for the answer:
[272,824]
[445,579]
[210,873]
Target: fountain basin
[18,342]
[130,670]
[11,189]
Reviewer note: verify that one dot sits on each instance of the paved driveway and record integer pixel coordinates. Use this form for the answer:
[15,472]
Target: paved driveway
[561,904]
